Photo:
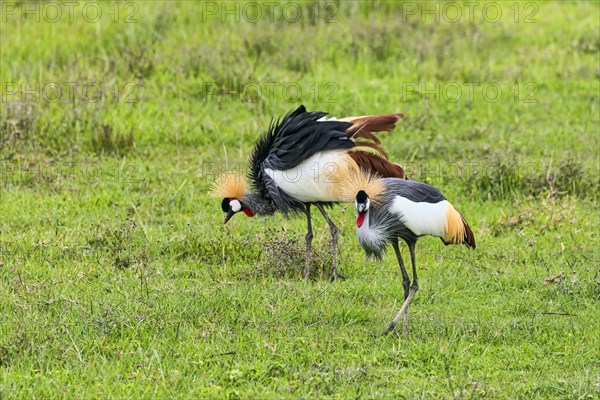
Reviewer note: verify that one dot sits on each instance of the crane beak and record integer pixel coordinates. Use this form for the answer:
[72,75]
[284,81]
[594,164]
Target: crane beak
[230,214]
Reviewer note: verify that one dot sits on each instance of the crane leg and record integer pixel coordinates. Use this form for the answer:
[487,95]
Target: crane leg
[415,283]
[334,240]
[405,285]
[412,290]
[309,237]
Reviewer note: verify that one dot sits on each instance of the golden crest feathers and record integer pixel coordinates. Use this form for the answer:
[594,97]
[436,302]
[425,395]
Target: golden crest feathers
[358,179]
[229,185]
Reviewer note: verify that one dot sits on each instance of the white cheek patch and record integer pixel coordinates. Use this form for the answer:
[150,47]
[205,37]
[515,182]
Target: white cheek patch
[235,205]
[367,205]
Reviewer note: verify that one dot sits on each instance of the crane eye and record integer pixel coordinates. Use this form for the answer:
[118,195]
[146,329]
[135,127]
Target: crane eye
[225,205]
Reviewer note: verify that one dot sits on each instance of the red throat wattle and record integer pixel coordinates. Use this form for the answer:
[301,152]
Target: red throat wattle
[360,219]
[248,212]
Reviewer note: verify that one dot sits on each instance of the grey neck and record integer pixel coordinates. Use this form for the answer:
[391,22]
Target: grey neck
[259,205]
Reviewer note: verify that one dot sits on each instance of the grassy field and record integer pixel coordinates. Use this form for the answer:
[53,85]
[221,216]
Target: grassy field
[119,280]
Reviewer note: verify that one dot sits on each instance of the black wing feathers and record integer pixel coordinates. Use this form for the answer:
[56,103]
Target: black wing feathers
[413,190]
[300,135]
[288,142]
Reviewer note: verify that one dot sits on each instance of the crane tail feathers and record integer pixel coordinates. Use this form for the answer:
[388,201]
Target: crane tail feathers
[365,128]
[458,230]
[372,162]
[469,238]
[377,147]
[373,123]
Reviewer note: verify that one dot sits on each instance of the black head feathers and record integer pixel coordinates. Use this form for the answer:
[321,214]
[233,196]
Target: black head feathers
[225,205]
[361,196]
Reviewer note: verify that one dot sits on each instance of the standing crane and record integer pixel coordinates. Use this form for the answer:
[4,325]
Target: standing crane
[300,162]
[389,209]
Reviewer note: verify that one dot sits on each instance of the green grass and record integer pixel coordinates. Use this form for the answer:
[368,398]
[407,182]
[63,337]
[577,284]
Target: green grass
[119,280]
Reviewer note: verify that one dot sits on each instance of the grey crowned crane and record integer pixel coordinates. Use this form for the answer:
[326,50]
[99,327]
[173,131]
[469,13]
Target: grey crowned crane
[389,209]
[300,162]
